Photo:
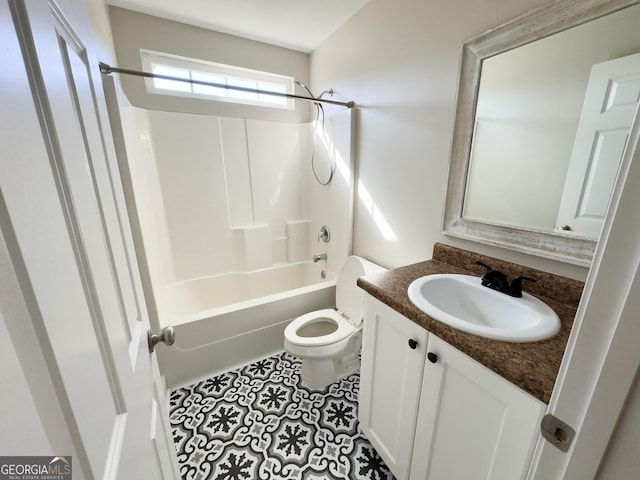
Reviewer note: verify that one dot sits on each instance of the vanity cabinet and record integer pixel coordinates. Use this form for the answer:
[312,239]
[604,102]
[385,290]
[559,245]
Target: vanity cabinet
[433,413]
[390,384]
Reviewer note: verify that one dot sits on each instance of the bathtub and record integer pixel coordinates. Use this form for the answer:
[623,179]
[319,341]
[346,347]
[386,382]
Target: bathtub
[224,321]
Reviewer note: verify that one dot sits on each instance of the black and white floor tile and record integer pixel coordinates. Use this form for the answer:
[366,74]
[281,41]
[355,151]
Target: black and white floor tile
[260,422]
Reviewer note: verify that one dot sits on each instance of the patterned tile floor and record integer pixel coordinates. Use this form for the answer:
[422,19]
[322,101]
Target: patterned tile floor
[259,422]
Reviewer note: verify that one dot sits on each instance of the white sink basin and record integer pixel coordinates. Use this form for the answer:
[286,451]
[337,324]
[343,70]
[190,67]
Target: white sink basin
[462,302]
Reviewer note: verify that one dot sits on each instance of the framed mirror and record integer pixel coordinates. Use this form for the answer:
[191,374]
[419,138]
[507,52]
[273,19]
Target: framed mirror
[530,171]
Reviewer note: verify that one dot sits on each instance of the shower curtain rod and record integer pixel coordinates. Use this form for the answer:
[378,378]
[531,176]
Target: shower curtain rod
[106,69]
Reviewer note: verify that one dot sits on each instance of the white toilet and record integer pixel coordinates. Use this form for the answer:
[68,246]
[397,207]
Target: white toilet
[328,341]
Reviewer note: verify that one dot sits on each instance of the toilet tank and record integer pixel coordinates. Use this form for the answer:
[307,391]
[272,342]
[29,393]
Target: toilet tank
[350,297]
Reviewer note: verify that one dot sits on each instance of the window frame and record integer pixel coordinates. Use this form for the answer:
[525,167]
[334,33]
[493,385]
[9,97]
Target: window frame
[203,68]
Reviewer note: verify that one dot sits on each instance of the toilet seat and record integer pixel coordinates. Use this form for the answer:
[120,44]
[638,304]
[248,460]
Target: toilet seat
[344,329]
[328,341]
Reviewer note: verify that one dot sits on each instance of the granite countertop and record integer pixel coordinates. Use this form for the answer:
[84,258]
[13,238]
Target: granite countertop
[531,366]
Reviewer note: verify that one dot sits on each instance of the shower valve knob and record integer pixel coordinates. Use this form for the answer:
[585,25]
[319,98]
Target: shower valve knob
[166,336]
[325,234]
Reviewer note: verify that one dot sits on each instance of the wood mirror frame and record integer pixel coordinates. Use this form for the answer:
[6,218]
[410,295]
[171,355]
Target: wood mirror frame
[534,25]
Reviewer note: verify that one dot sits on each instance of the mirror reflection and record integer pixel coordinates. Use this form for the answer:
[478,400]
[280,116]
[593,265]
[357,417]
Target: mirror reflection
[551,122]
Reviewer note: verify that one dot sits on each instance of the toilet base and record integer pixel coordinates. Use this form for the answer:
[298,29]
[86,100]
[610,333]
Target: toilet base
[318,373]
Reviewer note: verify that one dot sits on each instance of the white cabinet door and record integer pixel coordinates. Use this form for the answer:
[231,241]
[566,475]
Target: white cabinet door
[390,383]
[472,423]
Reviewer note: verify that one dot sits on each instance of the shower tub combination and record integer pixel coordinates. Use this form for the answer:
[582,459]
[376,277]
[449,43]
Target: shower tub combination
[219,318]
[237,228]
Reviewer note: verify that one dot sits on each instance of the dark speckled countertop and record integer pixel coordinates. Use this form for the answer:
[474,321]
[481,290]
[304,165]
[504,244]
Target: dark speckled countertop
[531,366]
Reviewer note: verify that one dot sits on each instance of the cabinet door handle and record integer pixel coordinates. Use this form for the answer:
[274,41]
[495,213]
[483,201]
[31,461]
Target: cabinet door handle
[433,358]
[412,344]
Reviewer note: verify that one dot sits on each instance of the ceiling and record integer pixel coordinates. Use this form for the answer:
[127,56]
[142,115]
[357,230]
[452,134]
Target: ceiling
[297,24]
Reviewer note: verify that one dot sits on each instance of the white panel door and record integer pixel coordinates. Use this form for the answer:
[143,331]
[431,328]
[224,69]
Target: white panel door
[64,224]
[390,383]
[472,423]
[612,96]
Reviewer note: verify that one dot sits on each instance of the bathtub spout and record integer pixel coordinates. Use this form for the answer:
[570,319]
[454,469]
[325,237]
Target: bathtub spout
[317,258]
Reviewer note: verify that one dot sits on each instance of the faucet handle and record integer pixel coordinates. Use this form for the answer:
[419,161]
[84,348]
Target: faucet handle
[515,290]
[325,234]
[487,267]
[493,278]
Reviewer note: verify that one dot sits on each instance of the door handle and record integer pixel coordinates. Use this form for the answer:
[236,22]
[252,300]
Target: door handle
[167,335]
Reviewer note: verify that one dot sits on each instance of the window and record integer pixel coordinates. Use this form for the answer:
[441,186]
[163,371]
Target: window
[223,75]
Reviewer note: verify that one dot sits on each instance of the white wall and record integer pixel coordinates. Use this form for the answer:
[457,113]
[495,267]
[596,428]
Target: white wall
[399,62]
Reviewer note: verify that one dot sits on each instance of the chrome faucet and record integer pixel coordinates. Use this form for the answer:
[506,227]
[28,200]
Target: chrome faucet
[317,258]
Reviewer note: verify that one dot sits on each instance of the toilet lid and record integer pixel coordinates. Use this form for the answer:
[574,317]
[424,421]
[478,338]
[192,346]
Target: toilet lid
[344,329]
[350,297]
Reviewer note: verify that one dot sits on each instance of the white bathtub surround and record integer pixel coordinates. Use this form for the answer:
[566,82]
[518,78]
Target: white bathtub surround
[144,190]
[298,240]
[191,299]
[237,171]
[332,205]
[212,184]
[252,247]
[224,204]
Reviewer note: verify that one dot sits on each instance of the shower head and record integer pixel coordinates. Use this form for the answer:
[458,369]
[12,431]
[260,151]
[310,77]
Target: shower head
[304,86]
[325,92]
[319,119]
